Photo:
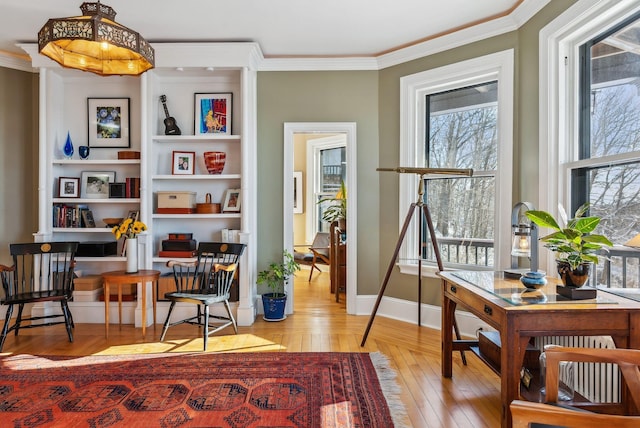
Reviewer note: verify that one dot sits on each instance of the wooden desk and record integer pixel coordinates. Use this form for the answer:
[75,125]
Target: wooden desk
[617,317]
[119,278]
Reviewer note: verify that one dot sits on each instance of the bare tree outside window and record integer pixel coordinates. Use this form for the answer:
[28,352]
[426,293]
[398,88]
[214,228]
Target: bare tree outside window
[462,133]
[610,144]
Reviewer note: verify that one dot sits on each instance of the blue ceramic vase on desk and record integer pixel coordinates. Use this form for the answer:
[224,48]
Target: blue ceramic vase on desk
[534,280]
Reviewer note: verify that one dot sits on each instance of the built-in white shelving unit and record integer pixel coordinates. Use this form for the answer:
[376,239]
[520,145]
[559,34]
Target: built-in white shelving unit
[182,70]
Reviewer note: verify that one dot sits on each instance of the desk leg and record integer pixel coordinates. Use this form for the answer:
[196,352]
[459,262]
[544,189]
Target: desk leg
[512,357]
[448,314]
[106,309]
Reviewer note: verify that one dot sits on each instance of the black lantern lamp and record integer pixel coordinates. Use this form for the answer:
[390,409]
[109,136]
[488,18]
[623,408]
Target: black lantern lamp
[524,241]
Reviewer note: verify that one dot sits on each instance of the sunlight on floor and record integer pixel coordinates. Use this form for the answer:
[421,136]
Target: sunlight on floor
[231,343]
[337,415]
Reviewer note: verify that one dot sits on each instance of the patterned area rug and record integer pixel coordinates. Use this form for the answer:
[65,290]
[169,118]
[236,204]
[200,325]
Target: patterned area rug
[200,390]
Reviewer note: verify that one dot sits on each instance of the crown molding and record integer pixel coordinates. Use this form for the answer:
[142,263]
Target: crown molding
[318,64]
[16,62]
[511,22]
[523,13]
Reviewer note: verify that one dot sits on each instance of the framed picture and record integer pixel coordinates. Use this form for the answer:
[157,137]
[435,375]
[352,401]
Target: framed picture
[108,120]
[183,163]
[87,218]
[297,192]
[117,190]
[133,215]
[68,187]
[95,184]
[213,113]
[231,201]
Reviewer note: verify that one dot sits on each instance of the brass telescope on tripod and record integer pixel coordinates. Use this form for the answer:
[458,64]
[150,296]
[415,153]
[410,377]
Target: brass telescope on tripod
[422,172]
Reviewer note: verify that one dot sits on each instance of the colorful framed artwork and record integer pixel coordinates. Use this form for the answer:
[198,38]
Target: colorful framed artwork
[68,187]
[183,163]
[108,120]
[213,113]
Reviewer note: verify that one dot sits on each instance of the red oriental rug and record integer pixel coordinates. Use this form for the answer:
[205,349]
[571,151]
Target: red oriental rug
[200,390]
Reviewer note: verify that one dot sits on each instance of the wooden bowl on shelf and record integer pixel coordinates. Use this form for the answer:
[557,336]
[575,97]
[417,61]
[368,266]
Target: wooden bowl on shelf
[112,221]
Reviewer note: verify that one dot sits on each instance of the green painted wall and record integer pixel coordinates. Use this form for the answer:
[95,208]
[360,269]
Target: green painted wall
[18,158]
[308,96]
[524,41]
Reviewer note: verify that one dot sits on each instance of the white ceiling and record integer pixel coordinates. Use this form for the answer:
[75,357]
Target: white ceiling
[282,28]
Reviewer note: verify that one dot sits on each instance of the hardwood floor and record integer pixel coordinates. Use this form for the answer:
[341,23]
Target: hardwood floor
[470,399]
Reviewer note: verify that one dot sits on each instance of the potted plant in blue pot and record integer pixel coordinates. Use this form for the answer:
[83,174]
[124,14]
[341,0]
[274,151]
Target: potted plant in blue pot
[276,277]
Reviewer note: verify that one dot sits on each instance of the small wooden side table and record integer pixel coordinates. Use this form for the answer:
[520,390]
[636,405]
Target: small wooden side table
[119,278]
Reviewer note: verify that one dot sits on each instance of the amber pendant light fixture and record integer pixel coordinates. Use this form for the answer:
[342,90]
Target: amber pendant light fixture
[95,42]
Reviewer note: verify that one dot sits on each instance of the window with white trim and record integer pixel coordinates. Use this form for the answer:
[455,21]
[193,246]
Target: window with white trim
[606,168]
[459,116]
[595,155]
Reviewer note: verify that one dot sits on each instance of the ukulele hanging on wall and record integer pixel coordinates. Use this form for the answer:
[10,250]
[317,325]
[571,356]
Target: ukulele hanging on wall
[170,126]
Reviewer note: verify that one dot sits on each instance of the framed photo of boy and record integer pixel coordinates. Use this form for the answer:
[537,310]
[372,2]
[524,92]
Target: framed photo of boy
[68,187]
[213,113]
[183,163]
[231,201]
[108,120]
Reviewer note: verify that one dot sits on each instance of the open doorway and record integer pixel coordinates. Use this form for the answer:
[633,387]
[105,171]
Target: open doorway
[336,144]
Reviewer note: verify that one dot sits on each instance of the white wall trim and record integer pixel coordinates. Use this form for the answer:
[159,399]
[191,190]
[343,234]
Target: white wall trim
[349,129]
[407,311]
[16,63]
[413,88]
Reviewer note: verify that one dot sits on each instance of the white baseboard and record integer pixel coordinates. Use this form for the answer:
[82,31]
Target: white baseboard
[431,316]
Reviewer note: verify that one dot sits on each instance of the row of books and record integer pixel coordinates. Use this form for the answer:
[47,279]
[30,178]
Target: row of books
[65,215]
[132,187]
[230,235]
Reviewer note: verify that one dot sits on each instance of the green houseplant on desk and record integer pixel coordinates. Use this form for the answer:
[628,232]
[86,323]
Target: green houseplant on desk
[276,277]
[574,244]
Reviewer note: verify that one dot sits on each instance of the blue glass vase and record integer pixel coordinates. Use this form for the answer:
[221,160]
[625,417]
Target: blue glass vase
[83,151]
[67,150]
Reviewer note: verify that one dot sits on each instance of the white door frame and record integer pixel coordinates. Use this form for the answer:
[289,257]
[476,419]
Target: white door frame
[348,128]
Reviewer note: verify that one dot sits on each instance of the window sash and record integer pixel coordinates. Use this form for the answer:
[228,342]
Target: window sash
[494,67]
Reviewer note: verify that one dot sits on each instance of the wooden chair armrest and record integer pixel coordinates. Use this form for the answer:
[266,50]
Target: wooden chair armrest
[191,263]
[525,412]
[4,268]
[627,360]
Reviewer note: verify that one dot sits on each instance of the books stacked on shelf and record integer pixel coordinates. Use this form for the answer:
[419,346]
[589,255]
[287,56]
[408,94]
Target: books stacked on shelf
[179,245]
[230,235]
[69,216]
[132,187]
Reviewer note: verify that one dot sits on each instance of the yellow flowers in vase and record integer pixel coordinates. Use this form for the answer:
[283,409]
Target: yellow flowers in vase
[129,228]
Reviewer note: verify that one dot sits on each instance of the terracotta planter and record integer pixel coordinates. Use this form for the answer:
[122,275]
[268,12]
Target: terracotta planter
[576,277]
